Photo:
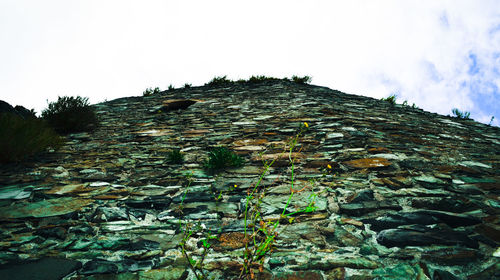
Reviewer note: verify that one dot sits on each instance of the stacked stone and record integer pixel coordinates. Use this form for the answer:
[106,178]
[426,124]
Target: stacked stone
[397,191]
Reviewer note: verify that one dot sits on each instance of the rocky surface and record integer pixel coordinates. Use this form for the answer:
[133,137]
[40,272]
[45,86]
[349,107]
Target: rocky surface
[398,193]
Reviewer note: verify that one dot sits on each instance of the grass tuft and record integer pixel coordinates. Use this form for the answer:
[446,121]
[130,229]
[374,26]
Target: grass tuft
[220,158]
[461,115]
[391,99]
[150,91]
[175,156]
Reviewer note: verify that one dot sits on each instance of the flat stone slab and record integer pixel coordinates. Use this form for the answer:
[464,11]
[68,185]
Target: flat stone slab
[368,163]
[43,269]
[424,236]
[176,104]
[44,208]
[424,217]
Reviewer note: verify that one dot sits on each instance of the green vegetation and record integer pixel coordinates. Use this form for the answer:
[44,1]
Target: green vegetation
[460,115]
[186,85]
[171,87]
[22,138]
[150,91]
[391,99]
[491,120]
[260,241]
[405,103]
[224,81]
[301,80]
[220,158]
[70,114]
[175,156]
[219,81]
[195,265]
[260,232]
[260,79]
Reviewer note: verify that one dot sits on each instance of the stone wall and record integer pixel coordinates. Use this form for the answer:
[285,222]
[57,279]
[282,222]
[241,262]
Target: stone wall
[380,191]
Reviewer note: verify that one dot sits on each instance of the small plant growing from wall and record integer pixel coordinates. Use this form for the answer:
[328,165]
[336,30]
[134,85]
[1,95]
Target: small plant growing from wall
[405,103]
[70,114]
[150,91]
[175,156]
[460,115]
[260,232]
[220,158]
[301,80]
[391,99]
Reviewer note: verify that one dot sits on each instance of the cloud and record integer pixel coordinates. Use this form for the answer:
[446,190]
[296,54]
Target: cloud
[453,63]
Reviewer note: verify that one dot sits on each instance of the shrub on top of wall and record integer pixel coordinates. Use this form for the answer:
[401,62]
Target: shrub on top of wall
[25,137]
[151,91]
[260,79]
[70,114]
[219,81]
[301,80]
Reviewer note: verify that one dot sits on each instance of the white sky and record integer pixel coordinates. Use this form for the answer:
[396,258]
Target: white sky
[436,54]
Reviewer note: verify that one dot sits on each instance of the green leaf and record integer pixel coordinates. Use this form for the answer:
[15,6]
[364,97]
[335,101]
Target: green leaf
[205,243]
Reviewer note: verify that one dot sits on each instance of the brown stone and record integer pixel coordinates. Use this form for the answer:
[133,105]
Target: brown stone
[70,189]
[336,274]
[318,164]
[44,208]
[489,231]
[368,163]
[279,156]
[154,132]
[352,222]
[392,182]
[451,256]
[379,150]
[250,142]
[298,275]
[489,186]
[489,273]
[270,133]
[197,131]
[231,240]
[250,148]
[175,104]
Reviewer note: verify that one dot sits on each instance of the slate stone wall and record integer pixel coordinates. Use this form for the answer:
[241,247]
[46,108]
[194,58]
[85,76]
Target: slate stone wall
[393,192]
